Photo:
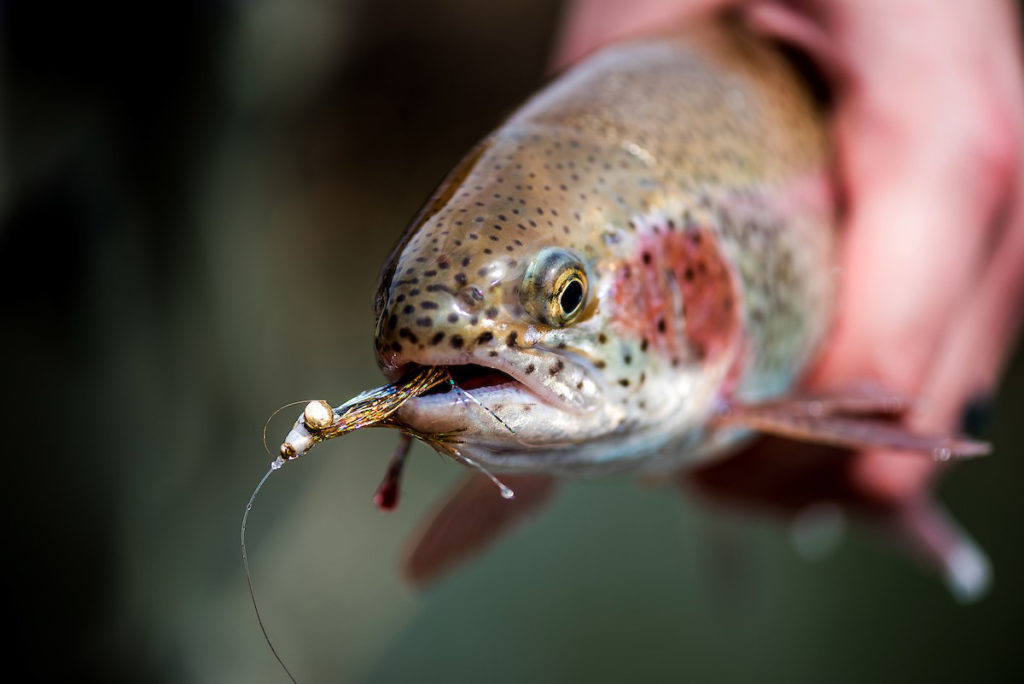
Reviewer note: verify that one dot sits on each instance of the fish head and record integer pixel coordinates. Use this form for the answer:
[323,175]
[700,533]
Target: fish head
[522,290]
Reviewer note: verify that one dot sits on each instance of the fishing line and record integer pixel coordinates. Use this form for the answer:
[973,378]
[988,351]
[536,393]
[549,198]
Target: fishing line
[275,465]
[506,491]
[463,393]
[266,447]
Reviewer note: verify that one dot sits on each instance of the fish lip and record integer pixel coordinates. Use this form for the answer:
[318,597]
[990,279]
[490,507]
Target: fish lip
[526,383]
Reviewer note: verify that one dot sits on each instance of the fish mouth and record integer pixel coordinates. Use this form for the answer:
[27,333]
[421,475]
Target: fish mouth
[524,389]
[503,411]
[481,381]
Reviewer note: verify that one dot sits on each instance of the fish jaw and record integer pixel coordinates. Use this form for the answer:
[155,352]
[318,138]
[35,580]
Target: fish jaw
[511,399]
[556,378]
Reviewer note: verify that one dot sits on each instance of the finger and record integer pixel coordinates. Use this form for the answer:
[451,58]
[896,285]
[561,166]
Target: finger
[792,27]
[588,24]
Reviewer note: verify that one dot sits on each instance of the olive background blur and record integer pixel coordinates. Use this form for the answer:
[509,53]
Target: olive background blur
[195,201]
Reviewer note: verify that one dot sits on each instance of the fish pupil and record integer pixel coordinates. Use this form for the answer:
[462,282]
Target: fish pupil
[572,297]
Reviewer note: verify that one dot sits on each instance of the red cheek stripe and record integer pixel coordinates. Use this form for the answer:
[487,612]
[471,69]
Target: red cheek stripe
[677,292]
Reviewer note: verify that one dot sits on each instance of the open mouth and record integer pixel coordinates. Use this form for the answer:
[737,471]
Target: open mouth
[510,380]
[471,376]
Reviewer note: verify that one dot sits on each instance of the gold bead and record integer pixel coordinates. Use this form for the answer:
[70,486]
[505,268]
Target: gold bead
[318,415]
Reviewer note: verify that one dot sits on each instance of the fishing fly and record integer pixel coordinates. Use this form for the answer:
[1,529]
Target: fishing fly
[373,408]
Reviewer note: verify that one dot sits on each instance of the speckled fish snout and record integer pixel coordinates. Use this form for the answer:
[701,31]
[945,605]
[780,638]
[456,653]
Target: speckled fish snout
[453,294]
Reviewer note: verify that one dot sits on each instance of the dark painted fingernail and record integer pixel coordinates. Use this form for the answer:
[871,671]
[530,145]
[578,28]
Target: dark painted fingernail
[975,416]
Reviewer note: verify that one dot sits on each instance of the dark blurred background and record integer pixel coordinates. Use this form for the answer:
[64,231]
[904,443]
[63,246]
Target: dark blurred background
[195,198]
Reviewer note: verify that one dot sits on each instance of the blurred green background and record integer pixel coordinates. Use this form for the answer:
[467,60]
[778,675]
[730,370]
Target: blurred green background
[196,198]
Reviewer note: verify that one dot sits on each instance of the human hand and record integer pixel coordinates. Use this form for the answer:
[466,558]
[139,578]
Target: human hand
[928,130]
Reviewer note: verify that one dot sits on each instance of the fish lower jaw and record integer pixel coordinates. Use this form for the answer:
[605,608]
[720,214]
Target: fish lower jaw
[502,410]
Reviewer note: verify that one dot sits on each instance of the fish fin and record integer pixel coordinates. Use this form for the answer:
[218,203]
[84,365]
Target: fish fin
[470,519]
[859,399]
[926,529]
[844,420]
[782,477]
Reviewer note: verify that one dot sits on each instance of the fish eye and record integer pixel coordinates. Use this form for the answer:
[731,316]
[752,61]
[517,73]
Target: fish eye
[555,287]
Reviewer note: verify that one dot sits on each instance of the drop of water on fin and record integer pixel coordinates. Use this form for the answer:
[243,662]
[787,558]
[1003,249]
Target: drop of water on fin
[943,453]
[506,492]
[277,463]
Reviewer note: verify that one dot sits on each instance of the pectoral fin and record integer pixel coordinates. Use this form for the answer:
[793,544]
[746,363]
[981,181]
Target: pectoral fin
[861,399]
[847,420]
[473,517]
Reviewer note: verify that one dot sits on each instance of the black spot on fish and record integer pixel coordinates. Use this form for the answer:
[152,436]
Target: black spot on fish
[436,339]
[484,338]
[456,341]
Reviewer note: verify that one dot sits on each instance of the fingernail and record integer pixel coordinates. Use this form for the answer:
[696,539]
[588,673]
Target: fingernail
[974,417]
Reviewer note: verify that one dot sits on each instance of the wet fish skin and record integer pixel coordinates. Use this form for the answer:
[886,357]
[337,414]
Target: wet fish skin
[688,177]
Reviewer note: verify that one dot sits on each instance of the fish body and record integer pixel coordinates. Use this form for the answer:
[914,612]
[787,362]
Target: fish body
[630,275]
[647,240]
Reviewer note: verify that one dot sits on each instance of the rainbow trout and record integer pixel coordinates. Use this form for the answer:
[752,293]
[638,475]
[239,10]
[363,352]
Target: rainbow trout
[628,276]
